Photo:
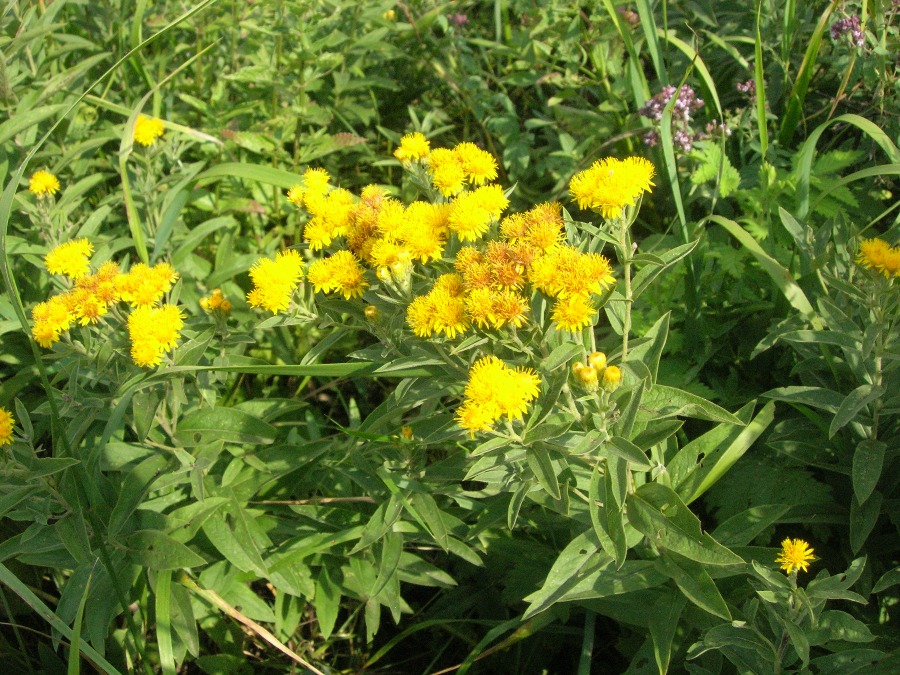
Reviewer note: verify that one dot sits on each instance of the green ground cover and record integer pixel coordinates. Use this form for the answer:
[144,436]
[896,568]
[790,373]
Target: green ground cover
[443,337]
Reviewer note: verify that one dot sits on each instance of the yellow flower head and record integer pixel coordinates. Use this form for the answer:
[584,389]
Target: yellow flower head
[610,185]
[153,332]
[341,273]
[147,130]
[876,254]
[478,165]
[316,181]
[573,312]
[274,281]
[447,173]
[795,555]
[43,184]
[6,426]
[413,147]
[494,390]
[295,195]
[145,285]
[71,259]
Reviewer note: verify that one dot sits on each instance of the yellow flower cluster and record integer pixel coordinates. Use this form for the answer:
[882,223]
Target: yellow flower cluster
[412,148]
[274,281]
[494,390]
[6,426]
[795,555]
[43,184]
[487,289]
[216,302]
[71,259]
[596,374]
[610,185]
[89,300]
[876,254]
[153,332]
[147,130]
[466,164]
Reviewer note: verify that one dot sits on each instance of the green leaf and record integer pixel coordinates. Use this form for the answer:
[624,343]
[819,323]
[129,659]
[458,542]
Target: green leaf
[835,625]
[423,507]
[227,424]
[661,401]
[695,583]
[261,174]
[659,513]
[327,602]
[816,397]
[888,579]
[862,519]
[74,667]
[134,488]
[741,529]
[855,401]
[163,595]
[650,350]
[868,460]
[579,558]
[717,463]
[629,451]
[778,273]
[156,550]
[561,356]
[646,275]
[663,624]
[542,467]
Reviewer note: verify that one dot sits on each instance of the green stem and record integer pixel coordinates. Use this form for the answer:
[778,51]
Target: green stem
[625,259]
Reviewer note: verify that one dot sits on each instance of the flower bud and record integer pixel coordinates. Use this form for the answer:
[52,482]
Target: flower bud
[371,312]
[598,361]
[612,378]
[586,376]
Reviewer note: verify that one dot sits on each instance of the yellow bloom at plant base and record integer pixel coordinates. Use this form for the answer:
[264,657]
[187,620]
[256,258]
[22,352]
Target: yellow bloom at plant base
[71,259]
[43,184]
[876,254]
[795,555]
[494,390]
[610,185]
[274,281]
[147,130]
[412,147]
[6,426]
[153,332]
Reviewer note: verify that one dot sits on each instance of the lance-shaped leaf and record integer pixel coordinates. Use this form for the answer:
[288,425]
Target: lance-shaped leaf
[659,513]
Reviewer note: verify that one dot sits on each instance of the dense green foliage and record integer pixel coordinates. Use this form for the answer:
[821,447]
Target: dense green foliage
[292,492]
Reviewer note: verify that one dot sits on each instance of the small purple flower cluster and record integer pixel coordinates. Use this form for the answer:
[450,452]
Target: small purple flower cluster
[748,87]
[458,20]
[681,112]
[851,25]
[683,136]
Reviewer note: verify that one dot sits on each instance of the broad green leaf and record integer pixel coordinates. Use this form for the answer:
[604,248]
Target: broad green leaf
[888,579]
[816,397]
[659,513]
[226,424]
[663,624]
[542,467]
[650,351]
[835,625]
[134,488]
[855,401]
[163,599]
[647,274]
[423,507]
[823,337]
[695,583]
[629,451]
[862,519]
[717,463]
[662,401]
[580,557]
[742,528]
[868,460]
[261,174]
[561,356]
[327,602]
[156,550]
[391,550]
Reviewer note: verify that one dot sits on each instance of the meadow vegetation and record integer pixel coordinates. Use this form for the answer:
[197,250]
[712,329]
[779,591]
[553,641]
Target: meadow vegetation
[489,336]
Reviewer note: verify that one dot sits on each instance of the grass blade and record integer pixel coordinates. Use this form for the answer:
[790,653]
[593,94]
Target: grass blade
[74,667]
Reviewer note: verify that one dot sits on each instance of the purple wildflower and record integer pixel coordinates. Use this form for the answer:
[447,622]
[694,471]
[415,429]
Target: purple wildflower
[851,25]
[458,20]
[681,112]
